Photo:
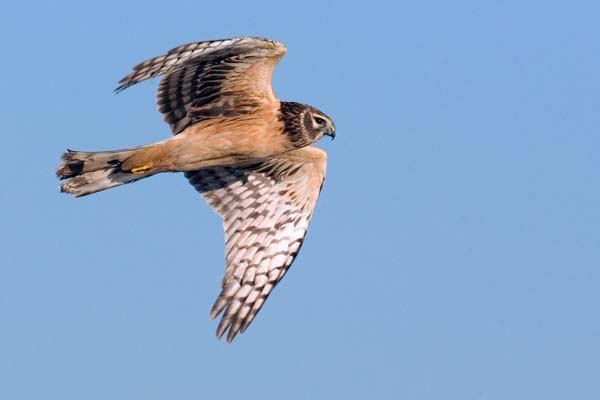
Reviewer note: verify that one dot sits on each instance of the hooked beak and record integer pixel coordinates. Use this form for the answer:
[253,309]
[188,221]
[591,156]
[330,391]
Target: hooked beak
[331,132]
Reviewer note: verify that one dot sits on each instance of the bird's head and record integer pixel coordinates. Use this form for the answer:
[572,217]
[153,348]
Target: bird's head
[305,124]
[318,124]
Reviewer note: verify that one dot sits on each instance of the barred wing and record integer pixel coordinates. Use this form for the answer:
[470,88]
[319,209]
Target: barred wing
[266,209]
[219,78]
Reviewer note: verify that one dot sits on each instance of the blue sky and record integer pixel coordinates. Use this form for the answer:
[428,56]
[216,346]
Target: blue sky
[454,252]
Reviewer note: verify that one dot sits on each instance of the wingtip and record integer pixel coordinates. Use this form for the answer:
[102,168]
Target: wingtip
[231,335]
[222,328]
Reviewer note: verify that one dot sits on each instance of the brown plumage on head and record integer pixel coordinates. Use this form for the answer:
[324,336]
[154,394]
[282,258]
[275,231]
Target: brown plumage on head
[305,124]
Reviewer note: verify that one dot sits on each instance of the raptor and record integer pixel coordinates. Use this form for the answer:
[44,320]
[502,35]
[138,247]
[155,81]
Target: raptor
[247,153]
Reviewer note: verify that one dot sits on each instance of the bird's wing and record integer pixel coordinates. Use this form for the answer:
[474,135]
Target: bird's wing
[266,209]
[224,78]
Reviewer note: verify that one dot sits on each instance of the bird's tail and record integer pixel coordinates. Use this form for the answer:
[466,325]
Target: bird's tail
[90,172]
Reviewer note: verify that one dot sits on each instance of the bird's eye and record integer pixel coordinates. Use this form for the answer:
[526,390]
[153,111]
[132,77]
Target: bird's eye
[319,120]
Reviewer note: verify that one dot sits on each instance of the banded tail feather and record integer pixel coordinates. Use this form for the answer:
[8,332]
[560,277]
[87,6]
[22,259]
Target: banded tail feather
[90,172]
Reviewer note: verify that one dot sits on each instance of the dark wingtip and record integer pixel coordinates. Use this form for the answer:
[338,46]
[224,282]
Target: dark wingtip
[123,84]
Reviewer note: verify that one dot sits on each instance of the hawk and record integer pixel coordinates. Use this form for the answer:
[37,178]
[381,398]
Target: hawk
[247,153]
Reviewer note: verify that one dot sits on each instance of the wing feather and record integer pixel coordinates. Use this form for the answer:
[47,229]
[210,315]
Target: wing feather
[266,209]
[219,78]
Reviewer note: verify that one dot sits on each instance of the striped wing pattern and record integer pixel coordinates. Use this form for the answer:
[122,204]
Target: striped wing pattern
[266,209]
[202,80]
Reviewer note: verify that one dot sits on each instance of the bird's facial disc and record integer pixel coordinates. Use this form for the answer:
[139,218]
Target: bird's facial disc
[318,125]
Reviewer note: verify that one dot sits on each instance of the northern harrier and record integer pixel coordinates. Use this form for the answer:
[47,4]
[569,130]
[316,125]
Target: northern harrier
[244,150]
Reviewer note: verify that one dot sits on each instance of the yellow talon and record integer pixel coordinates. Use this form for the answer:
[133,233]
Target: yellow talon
[143,168]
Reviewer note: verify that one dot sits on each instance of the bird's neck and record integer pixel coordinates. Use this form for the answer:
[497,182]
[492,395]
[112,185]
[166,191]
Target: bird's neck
[292,114]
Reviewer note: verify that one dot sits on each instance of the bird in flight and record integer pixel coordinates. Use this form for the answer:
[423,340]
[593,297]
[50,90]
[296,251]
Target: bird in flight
[247,153]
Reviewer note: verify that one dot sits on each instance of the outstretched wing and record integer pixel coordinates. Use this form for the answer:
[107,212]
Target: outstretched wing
[202,80]
[266,209]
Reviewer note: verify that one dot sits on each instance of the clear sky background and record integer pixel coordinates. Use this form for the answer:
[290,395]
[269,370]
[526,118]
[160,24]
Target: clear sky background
[454,253]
